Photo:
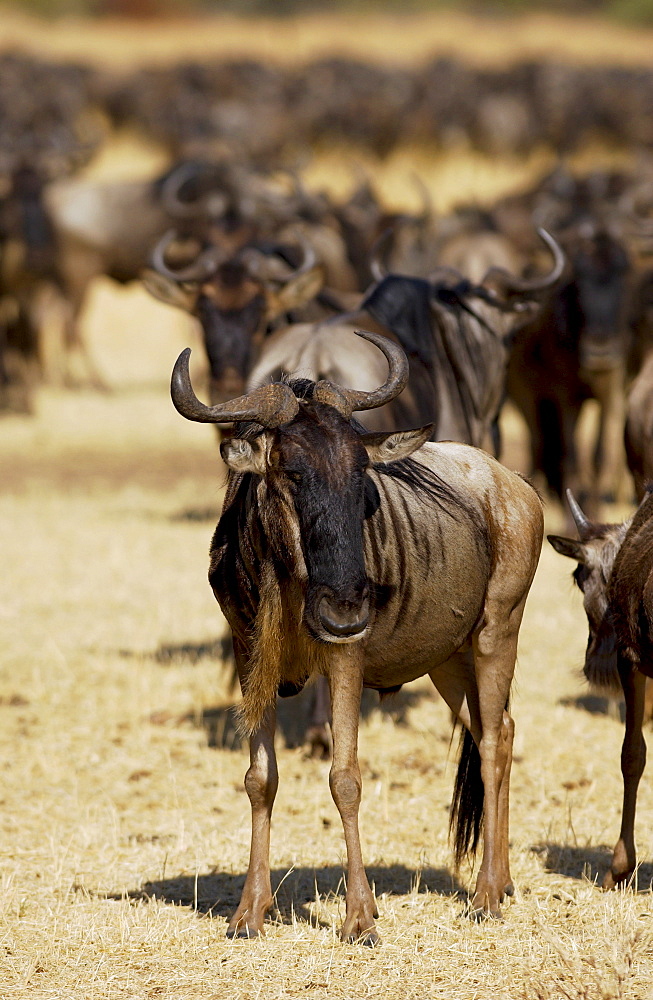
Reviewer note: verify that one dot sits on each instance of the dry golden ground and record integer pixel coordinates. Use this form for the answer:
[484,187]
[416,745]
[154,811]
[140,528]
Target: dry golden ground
[124,832]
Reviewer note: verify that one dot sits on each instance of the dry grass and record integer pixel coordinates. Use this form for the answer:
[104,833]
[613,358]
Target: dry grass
[124,833]
[124,836]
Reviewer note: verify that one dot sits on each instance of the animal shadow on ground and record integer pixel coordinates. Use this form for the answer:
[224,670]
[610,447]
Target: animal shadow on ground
[589,863]
[218,893]
[196,515]
[597,704]
[294,717]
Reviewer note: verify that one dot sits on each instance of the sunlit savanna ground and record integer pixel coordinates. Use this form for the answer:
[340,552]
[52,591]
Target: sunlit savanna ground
[124,830]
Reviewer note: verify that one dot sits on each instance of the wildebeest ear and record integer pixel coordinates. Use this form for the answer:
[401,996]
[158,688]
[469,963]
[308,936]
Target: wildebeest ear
[245,456]
[184,296]
[395,445]
[568,547]
[295,293]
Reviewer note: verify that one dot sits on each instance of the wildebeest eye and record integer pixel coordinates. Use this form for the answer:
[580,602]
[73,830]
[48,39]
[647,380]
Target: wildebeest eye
[294,477]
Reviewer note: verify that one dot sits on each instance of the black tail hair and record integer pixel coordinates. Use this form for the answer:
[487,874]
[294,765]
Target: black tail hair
[467,805]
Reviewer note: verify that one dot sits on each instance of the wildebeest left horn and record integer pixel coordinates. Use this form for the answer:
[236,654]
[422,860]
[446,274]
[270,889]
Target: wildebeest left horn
[349,400]
[204,265]
[582,522]
[511,283]
[270,405]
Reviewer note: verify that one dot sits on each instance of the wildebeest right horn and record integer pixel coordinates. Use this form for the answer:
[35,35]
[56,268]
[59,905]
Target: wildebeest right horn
[583,524]
[349,400]
[511,283]
[270,406]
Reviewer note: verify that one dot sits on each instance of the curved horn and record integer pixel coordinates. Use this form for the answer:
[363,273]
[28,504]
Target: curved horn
[270,405]
[583,524]
[348,400]
[271,267]
[511,283]
[179,209]
[204,265]
[629,207]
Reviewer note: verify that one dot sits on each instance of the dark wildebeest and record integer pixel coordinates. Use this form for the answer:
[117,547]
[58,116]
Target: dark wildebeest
[615,574]
[573,351]
[236,288]
[339,554]
[639,428]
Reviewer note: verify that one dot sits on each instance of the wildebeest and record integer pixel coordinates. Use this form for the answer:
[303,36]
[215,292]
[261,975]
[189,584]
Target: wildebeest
[574,350]
[457,335]
[639,428]
[372,559]
[615,574]
[236,287]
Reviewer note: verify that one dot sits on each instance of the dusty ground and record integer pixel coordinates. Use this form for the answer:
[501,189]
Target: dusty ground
[124,829]
[123,820]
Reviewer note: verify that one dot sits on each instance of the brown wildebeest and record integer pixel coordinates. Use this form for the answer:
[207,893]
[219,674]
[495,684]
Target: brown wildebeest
[639,428]
[615,574]
[373,559]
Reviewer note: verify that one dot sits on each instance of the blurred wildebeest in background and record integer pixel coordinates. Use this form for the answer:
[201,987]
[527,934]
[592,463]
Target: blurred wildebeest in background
[577,348]
[457,336]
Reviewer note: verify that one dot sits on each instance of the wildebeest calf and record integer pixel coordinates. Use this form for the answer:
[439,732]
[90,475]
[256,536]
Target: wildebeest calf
[615,574]
[338,554]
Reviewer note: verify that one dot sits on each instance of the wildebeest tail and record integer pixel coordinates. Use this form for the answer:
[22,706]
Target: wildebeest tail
[466,818]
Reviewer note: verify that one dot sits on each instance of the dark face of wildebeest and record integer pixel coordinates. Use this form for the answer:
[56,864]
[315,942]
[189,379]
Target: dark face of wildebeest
[319,494]
[595,552]
[599,292]
[236,291]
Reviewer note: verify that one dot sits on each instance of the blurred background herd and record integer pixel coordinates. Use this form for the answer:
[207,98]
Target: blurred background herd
[240,225]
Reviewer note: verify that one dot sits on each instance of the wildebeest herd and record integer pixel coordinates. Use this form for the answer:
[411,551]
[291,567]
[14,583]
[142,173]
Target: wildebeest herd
[372,551]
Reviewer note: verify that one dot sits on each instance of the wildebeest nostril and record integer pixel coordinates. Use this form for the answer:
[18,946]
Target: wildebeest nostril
[344,619]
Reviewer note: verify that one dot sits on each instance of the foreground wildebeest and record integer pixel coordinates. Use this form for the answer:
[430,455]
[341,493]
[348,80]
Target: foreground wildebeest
[337,553]
[615,574]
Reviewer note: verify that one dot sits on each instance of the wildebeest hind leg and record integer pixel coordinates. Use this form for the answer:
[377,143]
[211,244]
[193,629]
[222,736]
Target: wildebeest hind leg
[495,650]
[346,685]
[261,783]
[633,760]
[457,683]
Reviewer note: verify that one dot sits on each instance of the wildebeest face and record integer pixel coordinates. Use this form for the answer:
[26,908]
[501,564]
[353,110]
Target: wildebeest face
[231,310]
[319,494]
[601,270]
[595,557]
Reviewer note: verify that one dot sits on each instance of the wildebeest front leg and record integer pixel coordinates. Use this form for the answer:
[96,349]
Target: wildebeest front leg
[261,783]
[346,684]
[633,760]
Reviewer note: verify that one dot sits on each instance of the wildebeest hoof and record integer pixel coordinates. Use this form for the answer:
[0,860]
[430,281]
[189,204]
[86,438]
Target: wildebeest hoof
[509,889]
[612,881]
[480,915]
[243,931]
[369,938]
